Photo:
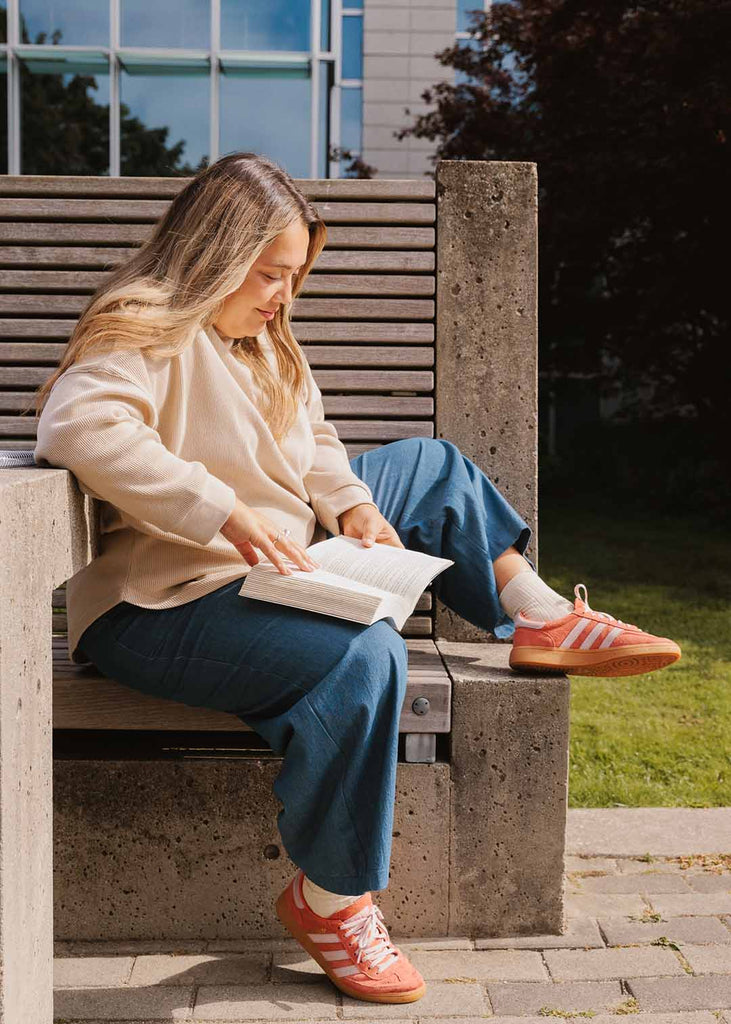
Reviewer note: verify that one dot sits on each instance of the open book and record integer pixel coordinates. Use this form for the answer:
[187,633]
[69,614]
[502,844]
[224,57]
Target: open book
[354,582]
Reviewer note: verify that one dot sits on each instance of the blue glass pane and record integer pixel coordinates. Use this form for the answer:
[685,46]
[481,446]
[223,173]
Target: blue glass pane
[64,123]
[464,9]
[352,46]
[265,24]
[165,123]
[325,24]
[326,78]
[4,122]
[3,23]
[73,22]
[353,3]
[184,23]
[268,112]
[351,119]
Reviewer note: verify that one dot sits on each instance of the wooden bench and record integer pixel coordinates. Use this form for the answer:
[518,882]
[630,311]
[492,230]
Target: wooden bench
[419,320]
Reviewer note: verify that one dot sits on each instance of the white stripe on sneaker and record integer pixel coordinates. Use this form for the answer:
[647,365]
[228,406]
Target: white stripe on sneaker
[607,641]
[598,628]
[575,633]
[342,971]
[336,954]
[323,937]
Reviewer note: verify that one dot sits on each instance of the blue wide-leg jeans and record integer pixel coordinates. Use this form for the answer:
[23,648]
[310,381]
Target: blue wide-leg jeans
[327,693]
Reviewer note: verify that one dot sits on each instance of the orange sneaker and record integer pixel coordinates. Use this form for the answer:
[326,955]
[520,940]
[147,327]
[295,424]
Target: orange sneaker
[352,947]
[588,643]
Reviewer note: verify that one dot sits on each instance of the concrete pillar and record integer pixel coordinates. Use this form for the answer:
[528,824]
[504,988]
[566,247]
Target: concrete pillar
[486,334]
[44,541]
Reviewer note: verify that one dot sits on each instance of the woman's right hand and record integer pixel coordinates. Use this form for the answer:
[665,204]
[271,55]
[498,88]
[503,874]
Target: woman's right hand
[246,529]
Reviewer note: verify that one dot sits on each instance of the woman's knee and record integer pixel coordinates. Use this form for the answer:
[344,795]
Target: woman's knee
[382,655]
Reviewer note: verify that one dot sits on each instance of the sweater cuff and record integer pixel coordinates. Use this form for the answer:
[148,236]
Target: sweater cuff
[329,508]
[209,514]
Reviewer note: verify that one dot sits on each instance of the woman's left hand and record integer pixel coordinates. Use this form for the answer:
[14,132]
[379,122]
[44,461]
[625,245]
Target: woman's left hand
[366,522]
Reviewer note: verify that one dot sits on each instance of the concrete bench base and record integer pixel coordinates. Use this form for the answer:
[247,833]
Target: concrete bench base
[190,849]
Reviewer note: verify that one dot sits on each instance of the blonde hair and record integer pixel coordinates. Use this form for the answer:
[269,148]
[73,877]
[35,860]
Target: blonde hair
[201,250]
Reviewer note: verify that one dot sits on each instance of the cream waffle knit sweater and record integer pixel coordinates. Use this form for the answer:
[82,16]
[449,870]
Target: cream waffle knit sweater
[167,446]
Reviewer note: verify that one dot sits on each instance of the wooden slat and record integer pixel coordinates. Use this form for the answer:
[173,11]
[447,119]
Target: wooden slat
[164,187]
[335,405]
[132,211]
[364,309]
[397,261]
[355,380]
[338,235]
[348,430]
[85,699]
[87,281]
[351,331]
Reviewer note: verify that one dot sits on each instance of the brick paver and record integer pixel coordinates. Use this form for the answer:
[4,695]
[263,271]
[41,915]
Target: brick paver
[603,964]
[266,1002]
[709,992]
[621,932]
[521,998]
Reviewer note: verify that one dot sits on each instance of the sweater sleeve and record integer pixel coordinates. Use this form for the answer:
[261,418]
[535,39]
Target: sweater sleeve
[101,426]
[331,484]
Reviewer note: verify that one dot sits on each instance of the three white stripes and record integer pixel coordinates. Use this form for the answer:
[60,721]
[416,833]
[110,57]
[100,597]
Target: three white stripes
[579,628]
[328,954]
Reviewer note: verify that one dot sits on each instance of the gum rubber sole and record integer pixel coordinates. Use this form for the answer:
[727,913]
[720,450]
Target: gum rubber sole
[628,661]
[311,948]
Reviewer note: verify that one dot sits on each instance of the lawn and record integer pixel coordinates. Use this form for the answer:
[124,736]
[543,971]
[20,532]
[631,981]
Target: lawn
[661,739]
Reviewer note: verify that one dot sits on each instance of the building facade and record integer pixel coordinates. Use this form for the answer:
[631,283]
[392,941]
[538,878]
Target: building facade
[132,87]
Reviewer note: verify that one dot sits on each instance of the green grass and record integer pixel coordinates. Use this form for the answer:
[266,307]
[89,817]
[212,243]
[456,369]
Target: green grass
[661,739]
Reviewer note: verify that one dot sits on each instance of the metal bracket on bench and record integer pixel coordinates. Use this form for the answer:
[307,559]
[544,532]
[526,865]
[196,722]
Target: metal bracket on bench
[421,747]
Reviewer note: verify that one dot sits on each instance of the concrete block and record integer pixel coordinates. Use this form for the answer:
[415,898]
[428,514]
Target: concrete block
[264,1002]
[156,1003]
[579,932]
[184,850]
[91,971]
[708,959]
[204,969]
[518,998]
[650,883]
[488,965]
[509,761]
[703,993]
[440,999]
[487,360]
[621,932]
[602,964]
[605,905]
[692,903]
[699,1017]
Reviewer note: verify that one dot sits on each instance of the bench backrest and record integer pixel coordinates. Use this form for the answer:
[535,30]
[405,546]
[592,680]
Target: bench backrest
[365,318]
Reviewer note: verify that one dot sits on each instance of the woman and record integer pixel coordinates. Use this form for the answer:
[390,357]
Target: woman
[184,403]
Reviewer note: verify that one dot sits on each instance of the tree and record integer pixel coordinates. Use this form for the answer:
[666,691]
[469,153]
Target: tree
[626,109]
[66,131]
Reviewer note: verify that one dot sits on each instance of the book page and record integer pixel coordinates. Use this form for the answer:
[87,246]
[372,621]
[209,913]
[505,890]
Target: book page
[398,570]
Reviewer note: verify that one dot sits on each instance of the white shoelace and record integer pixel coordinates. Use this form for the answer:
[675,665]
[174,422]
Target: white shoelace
[602,615]
[365,926]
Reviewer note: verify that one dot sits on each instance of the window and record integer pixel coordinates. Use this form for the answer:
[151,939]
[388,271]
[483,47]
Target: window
[351,81]
[162,87]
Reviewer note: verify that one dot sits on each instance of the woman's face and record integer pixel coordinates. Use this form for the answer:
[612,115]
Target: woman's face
[267,285]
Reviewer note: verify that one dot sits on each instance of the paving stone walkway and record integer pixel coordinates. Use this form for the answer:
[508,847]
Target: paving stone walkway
[648,936]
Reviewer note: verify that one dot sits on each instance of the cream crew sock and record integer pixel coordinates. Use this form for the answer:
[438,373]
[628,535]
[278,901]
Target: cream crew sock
[322,902]
[527,593]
